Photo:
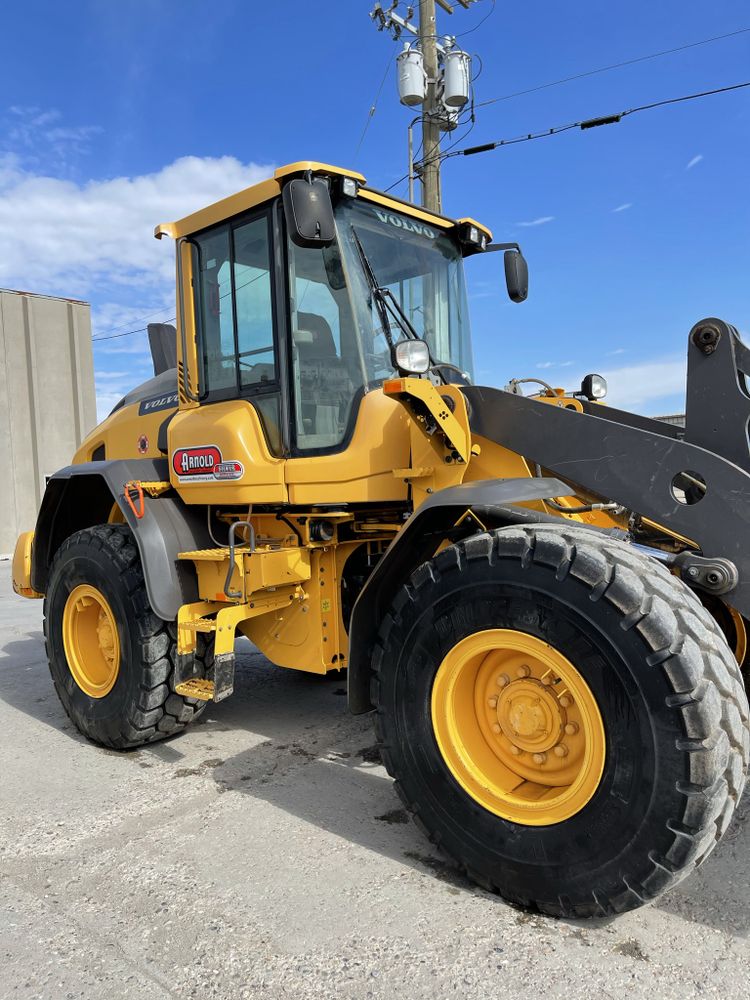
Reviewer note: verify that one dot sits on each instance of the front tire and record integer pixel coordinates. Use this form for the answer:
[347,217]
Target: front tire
[667,773]
[111,658]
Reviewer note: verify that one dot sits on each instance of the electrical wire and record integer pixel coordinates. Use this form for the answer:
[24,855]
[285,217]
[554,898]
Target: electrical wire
[618,65]
[129,333]
[173,319]
[585,123]
[373,107]
[478,25]
[469,31]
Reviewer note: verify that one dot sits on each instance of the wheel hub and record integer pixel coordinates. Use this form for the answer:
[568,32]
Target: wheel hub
[518,726]
[529,715]
[91,640]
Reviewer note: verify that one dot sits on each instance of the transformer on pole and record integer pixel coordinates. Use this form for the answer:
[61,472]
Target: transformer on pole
[433,73]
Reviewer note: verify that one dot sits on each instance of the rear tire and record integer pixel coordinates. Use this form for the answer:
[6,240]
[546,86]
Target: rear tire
[139,704]
[665,683]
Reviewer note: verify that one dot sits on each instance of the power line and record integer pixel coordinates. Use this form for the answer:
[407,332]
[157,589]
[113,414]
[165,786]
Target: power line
[129,333]
[588,122]
[373,106]
[490,12]
[619,65]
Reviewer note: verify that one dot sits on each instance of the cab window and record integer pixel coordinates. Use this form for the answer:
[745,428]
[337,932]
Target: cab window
[327,368]
[235,308]
[235,311]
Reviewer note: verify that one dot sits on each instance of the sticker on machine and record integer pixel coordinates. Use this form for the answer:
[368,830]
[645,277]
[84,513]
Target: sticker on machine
[197,464]
[229,470]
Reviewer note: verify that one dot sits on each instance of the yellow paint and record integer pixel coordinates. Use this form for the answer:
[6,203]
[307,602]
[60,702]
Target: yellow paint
[518,727]
[668,531]
[91,641]
[405,208]
[468,221]
[235,429]
[363,471]
[740,643]
[265,191]
[309,635]
[121,433]
[22,565]
[439,435]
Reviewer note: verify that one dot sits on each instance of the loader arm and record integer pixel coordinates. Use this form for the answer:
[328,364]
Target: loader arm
[635,461]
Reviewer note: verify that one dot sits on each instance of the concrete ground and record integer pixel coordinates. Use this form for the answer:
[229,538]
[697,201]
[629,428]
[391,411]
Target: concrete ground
[264,853]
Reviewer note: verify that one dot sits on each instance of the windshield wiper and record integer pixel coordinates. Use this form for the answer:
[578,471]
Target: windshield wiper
[388,305]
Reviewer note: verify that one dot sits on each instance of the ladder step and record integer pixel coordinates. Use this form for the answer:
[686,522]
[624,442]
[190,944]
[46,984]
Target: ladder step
[196,687]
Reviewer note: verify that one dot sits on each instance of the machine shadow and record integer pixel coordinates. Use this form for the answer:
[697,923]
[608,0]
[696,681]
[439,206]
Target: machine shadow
[315,761]
[718,893]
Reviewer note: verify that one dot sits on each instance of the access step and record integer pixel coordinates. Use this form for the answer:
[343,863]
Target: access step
[189,685]
[200,688]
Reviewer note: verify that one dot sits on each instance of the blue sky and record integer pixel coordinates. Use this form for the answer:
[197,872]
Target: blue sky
[116,116]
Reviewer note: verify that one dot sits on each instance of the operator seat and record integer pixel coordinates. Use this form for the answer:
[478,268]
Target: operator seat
[325,385]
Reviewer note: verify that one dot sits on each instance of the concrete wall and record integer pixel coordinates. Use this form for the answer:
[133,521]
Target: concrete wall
[47,399]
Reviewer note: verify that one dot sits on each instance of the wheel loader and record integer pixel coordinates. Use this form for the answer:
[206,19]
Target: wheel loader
[541,599]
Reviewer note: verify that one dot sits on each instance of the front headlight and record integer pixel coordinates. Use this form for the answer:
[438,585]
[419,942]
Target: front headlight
[411,357]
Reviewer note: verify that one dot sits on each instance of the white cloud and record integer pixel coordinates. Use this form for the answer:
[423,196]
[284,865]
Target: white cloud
[40,134]
[554,364]
[624,207]
[541,221]
[617,350]
[60,236]
[695,160]
[648,387]
[95,241]
[655,386]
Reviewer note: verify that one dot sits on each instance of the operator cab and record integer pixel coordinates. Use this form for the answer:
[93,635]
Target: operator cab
[295,321]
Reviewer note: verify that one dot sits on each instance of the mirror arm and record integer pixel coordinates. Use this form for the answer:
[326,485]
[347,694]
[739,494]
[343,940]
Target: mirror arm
[494,247]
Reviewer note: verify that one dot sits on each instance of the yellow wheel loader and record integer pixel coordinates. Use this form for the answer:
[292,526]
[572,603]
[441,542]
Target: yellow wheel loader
[542,599]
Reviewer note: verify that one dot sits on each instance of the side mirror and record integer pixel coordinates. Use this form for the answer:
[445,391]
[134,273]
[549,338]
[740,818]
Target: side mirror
[309,212]
[516,275]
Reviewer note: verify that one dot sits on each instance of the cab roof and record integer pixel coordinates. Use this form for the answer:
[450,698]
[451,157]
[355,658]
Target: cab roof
[264,191]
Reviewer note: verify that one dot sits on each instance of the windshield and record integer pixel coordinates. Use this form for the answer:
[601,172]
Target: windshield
[423,269]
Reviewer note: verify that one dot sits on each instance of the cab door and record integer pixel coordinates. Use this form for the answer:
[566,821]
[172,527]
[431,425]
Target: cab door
[228,449]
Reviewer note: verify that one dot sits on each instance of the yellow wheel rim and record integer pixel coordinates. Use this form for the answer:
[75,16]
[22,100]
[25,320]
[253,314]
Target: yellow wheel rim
[518,727]
[91,641]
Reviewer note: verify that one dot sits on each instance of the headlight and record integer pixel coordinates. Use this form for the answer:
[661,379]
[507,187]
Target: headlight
[411,356]
[594,387]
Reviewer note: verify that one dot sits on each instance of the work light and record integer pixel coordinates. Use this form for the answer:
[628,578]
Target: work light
[412,356]
[594,387]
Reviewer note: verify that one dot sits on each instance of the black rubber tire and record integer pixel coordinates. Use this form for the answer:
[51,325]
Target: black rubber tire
[142,706]
[668,687]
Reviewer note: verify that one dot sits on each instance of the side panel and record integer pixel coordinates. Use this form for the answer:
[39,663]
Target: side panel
[127,433]
[362,472]
[228,432]
[417,541]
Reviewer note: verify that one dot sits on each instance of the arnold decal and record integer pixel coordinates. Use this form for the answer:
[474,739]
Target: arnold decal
[196,465]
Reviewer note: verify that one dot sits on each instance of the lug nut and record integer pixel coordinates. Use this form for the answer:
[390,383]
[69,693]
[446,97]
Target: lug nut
[496,728]
[516,751]
[540,758]
[571,728]
[547,680]
[502,680]
[523,671]
[566,701]
[492,702]
[560,750]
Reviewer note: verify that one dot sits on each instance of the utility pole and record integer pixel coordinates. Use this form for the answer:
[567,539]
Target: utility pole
[431,196]
[434,73]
